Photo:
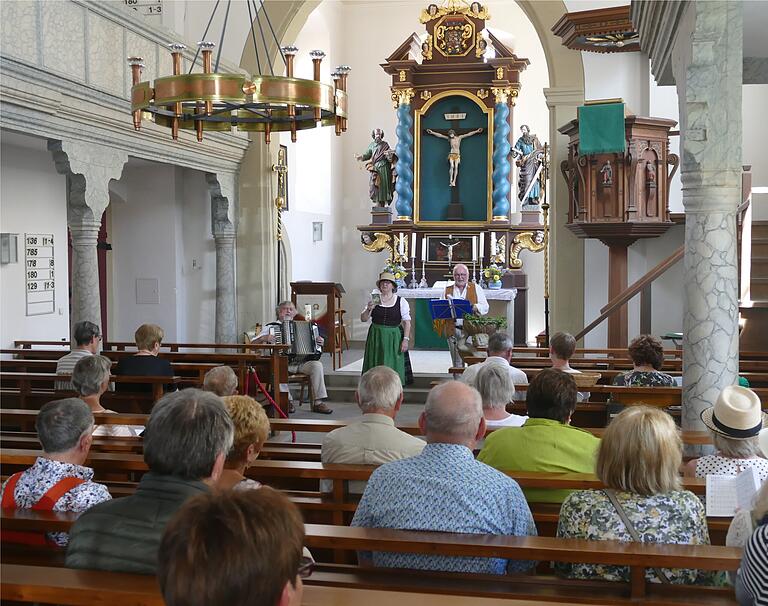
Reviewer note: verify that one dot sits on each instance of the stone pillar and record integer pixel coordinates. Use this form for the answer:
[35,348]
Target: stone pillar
[501,147]
[222,188]
[566,266]
[404,152]
[708,73]
[88,169]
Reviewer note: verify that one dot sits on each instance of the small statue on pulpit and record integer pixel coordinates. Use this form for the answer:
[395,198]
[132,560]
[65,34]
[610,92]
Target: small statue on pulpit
[454,155]
[527,150]
[650,175]
[379,160]
[606,175]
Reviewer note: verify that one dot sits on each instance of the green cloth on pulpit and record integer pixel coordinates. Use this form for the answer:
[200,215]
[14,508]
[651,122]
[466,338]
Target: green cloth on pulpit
[424,334]
[601,129]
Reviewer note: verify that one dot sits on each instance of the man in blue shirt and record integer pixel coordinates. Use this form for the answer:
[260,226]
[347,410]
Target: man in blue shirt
[445,489]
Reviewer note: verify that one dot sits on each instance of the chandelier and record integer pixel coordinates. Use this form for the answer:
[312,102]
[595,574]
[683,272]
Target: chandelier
[213,101]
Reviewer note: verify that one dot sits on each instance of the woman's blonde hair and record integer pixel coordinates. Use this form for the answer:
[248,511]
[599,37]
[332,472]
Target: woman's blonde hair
[147,335]
[641,452]
[251,425]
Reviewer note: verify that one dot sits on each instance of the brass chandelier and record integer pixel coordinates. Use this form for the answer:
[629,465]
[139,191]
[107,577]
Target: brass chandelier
[213,101]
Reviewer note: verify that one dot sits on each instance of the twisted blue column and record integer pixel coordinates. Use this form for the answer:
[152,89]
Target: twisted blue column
[501,165]
[404,166]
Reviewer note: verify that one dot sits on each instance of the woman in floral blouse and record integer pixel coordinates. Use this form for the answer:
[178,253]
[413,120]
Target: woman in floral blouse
[638,462]
[647,356]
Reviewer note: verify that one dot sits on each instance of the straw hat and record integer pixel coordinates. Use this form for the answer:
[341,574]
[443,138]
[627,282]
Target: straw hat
[736,414]
[387,276]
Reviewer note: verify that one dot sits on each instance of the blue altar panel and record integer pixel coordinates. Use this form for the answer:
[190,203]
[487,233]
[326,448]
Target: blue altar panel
[433,188]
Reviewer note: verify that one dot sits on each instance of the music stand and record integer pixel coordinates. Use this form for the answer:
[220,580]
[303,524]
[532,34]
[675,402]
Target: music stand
[449,309]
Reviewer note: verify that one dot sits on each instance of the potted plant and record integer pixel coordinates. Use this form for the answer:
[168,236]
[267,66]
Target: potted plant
[474,324]
[493,275]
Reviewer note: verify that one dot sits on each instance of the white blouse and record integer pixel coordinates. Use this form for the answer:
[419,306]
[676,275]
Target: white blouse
[719,465]
[405,310]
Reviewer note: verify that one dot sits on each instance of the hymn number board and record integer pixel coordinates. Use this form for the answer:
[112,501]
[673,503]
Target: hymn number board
[148,8]
[40,274]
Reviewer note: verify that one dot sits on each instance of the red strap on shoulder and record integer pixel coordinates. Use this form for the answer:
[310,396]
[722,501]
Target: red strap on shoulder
[9,501]
[55,492]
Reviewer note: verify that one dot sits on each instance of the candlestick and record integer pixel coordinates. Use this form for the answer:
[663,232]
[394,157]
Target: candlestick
[423,283]
[482,247]
[474,271]
[413,283]
[424,248]
[413,245]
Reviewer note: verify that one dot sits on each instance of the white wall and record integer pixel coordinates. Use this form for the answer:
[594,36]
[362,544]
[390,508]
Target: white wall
[163,230]
[754,100]
[32,200]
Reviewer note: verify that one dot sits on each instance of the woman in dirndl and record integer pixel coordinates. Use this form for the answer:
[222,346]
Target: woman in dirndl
[387,342]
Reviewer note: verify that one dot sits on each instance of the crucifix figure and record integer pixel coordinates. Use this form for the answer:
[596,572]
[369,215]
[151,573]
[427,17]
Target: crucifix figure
[450,245]
[454,155]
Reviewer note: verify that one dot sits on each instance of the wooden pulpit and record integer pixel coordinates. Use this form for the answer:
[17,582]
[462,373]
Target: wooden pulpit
[325,299]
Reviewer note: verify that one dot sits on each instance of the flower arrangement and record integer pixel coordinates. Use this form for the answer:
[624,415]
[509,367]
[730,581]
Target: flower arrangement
[493,273]
[396,270]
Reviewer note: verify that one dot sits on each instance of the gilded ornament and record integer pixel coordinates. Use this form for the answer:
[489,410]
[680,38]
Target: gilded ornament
[480,45]
[402,75]
[454,7]
[425,95]
[426,48]
[376,243]
[502,94]
[527,240]
[499,73]
[394,99]
[454,36]
[482,93]
[404,96]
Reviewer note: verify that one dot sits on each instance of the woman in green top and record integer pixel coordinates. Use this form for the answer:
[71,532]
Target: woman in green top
[387,342]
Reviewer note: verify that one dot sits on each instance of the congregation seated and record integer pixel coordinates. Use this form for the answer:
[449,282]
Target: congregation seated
[500,346]
[647,356]
[251,427]
[497,390]
[373,439]
[87,337]
[546,441]
[187,438]
[561,348]
[638,461]
[145,362]
[445,489]
[239,548]
[90,378]
[312,368]
[57,481]
[735,422]
[221,380]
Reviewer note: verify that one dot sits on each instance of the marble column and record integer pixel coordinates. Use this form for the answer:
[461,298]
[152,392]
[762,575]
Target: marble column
[222,188]
[708,72]
[501,147]
[404,152]
[88,169]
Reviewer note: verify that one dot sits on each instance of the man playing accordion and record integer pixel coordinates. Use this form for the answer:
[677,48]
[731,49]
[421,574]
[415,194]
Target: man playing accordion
[312,368]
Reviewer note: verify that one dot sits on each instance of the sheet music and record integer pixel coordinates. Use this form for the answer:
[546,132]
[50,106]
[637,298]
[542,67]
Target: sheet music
[726,494]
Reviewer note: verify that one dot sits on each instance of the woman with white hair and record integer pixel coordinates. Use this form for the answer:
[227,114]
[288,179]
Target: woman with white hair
[90,378]
[497,390]
[735,422]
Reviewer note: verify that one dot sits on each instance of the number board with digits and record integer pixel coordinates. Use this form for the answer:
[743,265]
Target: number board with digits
[148,8]
[40,274]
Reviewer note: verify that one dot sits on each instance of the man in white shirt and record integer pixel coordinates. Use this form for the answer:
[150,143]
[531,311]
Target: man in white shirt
[497,390]
[373,439]
[313,368]
[499,353]
[87,337]
[462,289]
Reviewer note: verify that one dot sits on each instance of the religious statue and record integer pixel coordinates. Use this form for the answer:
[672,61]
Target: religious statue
[379,161]
[454,155]
[606,175]
[650,175]
[527,149]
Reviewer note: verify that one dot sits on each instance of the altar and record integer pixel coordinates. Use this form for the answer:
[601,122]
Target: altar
[422,335]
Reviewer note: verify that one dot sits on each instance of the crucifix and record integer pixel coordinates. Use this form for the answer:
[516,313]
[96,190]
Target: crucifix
[454,135]
[281,168]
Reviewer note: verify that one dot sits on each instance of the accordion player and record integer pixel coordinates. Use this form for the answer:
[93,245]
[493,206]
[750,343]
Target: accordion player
[301,337]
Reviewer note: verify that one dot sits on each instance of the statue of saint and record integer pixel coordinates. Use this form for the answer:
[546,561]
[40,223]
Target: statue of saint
[454,155]
[527,149]
[379,160]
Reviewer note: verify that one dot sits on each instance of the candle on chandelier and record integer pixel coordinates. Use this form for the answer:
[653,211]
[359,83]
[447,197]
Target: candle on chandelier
[413,245]
[482,245]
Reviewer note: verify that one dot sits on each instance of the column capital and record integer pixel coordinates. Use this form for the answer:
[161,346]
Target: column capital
[223,190]
[563,95]
[89,169]
[402,96]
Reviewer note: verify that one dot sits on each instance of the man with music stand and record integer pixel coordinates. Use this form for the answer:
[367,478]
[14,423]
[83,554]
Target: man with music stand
[462,289]
[312,368]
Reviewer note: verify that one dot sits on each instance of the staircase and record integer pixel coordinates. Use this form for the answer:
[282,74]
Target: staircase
[754,316]
[759,281]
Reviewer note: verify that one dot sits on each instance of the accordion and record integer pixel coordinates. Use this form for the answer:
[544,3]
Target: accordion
[301,336]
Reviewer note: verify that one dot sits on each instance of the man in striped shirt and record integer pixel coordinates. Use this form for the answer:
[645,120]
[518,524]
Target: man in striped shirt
[87,341]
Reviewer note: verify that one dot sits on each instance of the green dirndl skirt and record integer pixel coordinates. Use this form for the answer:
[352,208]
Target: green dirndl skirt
[382,348]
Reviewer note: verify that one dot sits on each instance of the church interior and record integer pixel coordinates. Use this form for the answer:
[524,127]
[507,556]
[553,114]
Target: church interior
[215,168]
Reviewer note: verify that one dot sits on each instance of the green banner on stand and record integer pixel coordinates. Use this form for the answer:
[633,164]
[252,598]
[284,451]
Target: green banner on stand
[426,338]
[601,129]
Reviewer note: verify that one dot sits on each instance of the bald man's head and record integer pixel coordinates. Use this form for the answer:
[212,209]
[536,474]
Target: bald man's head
[453,413]
[460,275]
